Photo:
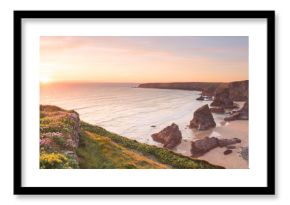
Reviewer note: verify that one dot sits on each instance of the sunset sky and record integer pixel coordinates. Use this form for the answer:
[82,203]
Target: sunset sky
[143,59]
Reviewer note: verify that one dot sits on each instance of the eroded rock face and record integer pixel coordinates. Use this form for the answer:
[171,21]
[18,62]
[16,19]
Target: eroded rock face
[242,114]
[202,146]
[222,99]
[226,142]
[202,119]
[169,136]
[239,90]
[219,110]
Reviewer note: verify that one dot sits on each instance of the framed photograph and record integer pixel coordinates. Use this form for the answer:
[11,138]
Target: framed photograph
[144,102]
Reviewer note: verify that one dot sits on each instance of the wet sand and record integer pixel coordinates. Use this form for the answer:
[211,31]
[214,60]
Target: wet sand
[238,129]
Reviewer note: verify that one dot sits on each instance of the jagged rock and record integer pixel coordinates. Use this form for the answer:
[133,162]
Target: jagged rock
[228,151]
[169,136]
[222,99]
[209,91]
[219,110]
[202,119]
[202,146]
[239,90]
[242,114]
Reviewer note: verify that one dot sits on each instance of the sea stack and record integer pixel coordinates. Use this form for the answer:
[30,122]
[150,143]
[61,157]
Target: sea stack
[222,99]
[170,136]
[202,119]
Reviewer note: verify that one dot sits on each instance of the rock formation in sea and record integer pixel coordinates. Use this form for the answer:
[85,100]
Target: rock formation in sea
[219,110]
[202,146]
[242,114]
[202,119]
[239,90]
[170,136]
[222,99]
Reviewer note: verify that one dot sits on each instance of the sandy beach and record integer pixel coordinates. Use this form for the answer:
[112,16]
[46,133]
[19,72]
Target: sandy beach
[238,129]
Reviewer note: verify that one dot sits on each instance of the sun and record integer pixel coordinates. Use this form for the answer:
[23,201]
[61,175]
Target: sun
[44,79]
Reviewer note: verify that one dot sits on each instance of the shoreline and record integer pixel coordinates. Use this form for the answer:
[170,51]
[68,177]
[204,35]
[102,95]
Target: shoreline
[238,128]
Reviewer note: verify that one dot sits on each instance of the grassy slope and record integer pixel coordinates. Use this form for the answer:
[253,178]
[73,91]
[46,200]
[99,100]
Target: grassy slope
[102,149]
[97,152]
[99,148]
[58,130]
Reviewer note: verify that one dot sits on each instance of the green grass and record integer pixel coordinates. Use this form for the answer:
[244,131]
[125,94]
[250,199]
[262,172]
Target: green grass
[161,155]
[58,129]
[99,148]
[100,152]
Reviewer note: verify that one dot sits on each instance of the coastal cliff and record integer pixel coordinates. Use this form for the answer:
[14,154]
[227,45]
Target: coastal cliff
[238,90]
[68,143]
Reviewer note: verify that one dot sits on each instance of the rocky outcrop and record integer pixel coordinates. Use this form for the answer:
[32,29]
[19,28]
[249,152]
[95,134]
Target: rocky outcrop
[202,119]
[222,99]
[218,110]
[238,90]
[242,114]
[169,136]
[226,142]
[202,146]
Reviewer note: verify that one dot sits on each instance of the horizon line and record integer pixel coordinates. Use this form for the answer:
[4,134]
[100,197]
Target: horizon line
[92,82]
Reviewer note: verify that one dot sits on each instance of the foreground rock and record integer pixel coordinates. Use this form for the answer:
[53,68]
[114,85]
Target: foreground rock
[202,146]
[202,119]
[170,136]
[242,114]
[222,99]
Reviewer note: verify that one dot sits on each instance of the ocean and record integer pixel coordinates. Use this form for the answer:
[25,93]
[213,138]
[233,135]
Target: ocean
[124,109]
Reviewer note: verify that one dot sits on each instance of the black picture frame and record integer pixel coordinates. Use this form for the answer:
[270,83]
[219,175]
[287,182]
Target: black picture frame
[18,95]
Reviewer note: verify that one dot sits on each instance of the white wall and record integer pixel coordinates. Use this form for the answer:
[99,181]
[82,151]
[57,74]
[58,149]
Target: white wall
[282,98]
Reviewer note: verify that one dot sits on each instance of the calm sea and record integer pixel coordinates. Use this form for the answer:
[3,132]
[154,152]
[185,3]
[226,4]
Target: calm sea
[126,110]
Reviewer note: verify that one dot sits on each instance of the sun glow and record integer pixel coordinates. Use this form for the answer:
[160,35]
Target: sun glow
[44,79]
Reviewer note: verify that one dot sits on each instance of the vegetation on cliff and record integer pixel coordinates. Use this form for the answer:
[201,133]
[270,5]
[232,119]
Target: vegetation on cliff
[66,142]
